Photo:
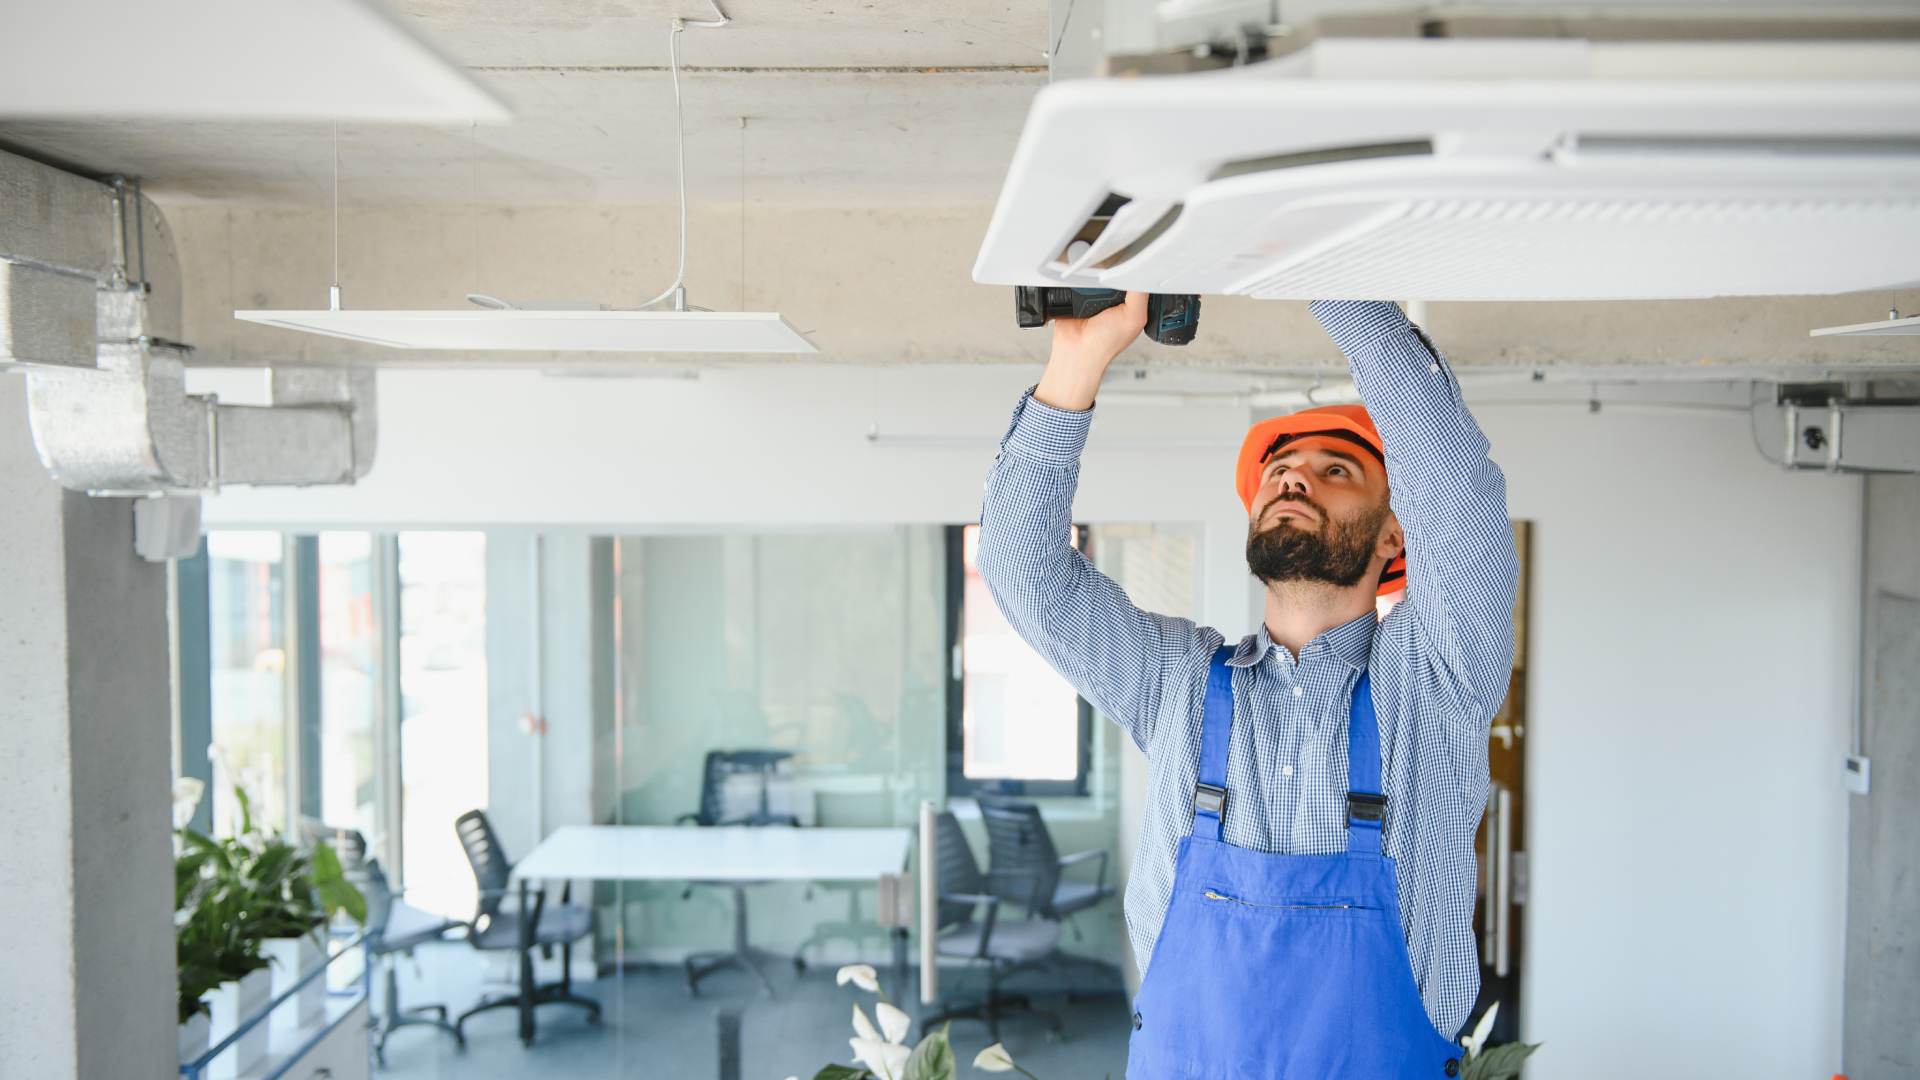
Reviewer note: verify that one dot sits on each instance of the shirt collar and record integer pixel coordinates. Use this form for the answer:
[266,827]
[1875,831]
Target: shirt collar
[1350,641]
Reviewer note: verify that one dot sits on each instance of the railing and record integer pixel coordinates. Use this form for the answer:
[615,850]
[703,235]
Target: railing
[197,1068]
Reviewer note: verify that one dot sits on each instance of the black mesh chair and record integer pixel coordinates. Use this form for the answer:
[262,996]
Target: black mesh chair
[520,919]
[395,928]
[720,765]
[1002,945]
[1018,839]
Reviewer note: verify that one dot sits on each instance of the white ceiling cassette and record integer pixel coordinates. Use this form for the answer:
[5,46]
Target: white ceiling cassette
[1595,172]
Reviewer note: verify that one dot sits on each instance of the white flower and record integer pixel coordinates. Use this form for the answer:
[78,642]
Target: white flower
[896,1024]
[994,1059]
[864,1027]
[186,799]
[887,1059]
[1481,1031]
[860,975]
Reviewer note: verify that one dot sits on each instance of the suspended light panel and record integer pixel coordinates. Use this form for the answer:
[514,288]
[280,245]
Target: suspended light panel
[231,60]
[1907,327]
[551,331]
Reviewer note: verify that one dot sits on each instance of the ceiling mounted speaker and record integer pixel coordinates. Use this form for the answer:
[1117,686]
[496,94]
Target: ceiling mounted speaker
[1413,169]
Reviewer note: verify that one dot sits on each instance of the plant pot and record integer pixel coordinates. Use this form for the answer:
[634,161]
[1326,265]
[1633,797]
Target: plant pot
[234,1004]
[291,958]
[193,1037]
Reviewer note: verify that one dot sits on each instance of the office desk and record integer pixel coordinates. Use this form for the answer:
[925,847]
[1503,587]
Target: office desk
[722,855]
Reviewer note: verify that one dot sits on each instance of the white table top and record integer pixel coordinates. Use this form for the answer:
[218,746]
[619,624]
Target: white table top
[726,853]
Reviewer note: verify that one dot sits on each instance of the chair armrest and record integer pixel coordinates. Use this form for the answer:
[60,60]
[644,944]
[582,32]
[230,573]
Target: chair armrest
[969,898]
[1083,856]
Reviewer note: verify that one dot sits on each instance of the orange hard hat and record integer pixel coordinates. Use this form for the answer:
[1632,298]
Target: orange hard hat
[1335,423]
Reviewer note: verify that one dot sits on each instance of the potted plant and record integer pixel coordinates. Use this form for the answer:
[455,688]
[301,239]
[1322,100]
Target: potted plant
[231,897]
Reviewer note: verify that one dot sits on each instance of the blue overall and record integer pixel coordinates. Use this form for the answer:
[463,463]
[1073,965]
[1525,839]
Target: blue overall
[1284,966]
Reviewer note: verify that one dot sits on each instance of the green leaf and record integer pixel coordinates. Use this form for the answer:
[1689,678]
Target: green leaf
[932,1059]
[1498,1062]
[842,1072]
[335,891]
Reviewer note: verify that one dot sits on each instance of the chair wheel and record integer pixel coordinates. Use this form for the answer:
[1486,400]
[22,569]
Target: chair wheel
[800,964]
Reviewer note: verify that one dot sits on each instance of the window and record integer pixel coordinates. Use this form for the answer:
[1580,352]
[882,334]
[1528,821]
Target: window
[1014,726]
[247,616]
[349,681]
[443,727]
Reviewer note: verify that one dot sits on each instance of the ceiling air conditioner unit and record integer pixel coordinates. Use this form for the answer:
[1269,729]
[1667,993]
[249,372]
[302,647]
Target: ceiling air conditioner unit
[1477,170]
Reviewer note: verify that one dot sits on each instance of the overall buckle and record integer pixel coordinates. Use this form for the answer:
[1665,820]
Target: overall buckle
[1209,799]
[1364,806]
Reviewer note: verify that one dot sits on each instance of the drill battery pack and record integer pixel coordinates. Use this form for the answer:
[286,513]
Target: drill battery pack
[1172,319]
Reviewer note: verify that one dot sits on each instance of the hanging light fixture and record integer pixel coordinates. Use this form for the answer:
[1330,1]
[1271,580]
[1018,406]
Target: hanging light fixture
[666,323]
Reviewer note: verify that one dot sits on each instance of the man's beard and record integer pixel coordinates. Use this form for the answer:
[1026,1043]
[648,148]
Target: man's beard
[1339,554]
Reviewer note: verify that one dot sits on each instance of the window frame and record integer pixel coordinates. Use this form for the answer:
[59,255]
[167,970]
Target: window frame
[959,784]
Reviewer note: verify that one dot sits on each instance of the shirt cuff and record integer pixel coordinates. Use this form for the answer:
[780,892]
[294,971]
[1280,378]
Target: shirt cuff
[1353,324]
[1047,435]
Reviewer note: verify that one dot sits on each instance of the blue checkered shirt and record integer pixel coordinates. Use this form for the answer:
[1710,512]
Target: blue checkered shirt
[1440,661]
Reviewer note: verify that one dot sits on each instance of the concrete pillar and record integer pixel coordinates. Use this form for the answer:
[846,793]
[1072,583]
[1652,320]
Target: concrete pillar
[1882,1012]
[86,892]
[568,681]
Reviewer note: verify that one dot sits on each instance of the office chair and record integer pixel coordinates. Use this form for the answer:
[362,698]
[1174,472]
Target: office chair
[520,919]
[1017,839]
[394,928]
[1003,945]
[721,764]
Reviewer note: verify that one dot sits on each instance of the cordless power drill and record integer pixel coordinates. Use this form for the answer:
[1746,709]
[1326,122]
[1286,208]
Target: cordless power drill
[1171,319]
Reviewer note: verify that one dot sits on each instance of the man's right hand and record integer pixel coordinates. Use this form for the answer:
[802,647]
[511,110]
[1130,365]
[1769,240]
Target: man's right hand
[1082,349]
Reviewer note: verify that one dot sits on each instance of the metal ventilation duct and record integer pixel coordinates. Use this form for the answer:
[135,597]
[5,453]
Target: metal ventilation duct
[89,308]
[1865,426]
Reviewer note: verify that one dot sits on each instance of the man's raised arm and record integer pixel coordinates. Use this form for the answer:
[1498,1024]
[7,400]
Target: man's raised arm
[1073,615]
[1451,500]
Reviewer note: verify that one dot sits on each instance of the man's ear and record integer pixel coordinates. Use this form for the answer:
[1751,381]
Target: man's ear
[1393,541]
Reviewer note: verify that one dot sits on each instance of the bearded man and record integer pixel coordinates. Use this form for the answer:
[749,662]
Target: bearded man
[1302,899]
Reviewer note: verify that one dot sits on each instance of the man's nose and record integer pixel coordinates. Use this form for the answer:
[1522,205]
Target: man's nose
[1295,479]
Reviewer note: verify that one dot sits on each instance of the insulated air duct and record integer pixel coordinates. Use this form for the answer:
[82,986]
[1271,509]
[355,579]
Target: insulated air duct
[89,310]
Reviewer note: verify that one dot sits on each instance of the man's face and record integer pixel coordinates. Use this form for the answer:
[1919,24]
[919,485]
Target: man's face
[1321,514]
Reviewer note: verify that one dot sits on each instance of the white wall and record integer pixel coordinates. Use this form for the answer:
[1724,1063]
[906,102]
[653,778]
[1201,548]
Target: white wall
[1694,622]
[1693,612]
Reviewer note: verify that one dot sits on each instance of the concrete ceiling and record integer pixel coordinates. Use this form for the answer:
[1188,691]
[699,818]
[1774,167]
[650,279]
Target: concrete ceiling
[849,103]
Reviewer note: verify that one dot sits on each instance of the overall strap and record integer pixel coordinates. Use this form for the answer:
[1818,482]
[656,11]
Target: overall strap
[1216,730]
[1366,806]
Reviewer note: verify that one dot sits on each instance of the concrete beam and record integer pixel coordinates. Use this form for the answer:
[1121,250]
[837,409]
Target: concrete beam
[887,285]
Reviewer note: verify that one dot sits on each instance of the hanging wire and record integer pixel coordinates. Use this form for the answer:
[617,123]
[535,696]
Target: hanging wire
[680,135]
[473,195]
[333,295]
[743,213]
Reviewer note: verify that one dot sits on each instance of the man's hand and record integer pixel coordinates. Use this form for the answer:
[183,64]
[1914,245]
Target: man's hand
[1082,349]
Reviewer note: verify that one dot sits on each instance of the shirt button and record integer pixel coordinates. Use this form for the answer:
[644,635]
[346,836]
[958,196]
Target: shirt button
[1297,691]
[1434,367]
[1287,771]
